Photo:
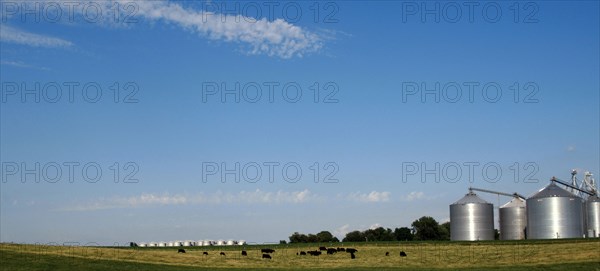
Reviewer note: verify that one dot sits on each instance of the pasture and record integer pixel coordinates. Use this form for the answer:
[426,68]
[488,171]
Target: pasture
[575,254]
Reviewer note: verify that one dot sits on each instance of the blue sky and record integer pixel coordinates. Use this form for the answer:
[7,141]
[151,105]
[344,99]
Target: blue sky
[368,53]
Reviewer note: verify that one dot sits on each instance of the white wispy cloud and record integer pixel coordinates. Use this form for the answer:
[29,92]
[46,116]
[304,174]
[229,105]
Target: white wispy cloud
[14,35]
[374,196]
[148,199]
[277,37]
[571,148]
[342,231]
[414,195]
[20,64]
[260,36]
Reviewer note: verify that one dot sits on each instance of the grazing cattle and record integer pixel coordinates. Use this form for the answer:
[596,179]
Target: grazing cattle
[341,249]
[267,250]
[331,251]
[222,253]
[204,253]
[181,250]
[314,253]
[322,248]
[402,254]
[244,253]
[352,256]
[387,253]
[302,253]
[266,256]
[351,250]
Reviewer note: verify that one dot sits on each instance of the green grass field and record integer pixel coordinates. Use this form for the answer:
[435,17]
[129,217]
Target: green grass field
[578,254]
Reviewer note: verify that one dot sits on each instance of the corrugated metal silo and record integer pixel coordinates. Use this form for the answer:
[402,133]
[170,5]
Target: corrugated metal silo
[471,219]
[513,220]
[554,213]
[592,211]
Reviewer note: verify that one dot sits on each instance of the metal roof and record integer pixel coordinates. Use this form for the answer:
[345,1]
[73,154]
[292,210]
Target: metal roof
[515,202]
[552,190]
[471,198]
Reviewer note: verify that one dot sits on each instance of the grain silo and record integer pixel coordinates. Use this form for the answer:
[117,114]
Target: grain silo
[241,242]
[230,242]
[513,219]
[471,219]
[554,213]
[592,211]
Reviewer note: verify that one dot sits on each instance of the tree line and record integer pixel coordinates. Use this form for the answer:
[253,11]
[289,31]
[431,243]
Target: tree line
[424,228]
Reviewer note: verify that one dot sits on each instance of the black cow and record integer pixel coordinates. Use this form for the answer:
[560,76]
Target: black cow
[181,250]
[352,256]
[222,253]
[322,248]
[314,253]
[302,253]
[266,256]
[267,250]
[351,250]
[331,251]
[402,254]
[387,253]
[204,253]
[341,249]
[244,253]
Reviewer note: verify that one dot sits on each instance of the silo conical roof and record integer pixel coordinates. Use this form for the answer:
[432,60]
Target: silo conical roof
[552,190]
[471,198]
[515,202]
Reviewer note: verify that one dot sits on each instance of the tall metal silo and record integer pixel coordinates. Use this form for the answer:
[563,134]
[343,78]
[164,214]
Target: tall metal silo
[554,213]
[471,219]
[592,211]
[513,220]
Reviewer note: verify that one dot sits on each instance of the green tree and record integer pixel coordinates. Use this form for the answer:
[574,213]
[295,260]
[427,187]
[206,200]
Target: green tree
[354,236]
[426,228]
[324,236]
[379,234]
[403,234]
[444,230]
[298,238]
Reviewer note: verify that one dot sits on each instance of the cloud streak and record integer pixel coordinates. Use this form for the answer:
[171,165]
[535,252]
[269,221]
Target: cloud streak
[14,35]
[245,197]
[258,36]
[374,196]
